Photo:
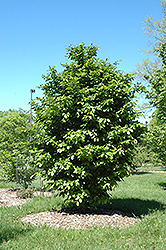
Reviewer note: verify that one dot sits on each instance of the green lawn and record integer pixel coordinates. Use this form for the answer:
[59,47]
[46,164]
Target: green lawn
[153,168]
[141,194]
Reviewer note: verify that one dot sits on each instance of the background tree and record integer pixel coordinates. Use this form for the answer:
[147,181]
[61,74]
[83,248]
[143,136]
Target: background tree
[156,35]
[144,154]
[152,74]
[87,127]
[157,96]
[14,151]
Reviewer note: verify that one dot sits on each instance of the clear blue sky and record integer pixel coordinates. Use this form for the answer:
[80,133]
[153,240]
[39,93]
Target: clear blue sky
[34,34]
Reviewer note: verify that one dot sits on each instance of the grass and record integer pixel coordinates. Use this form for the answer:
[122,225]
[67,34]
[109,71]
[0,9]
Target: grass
[141,194]
[151,167]
[36,183]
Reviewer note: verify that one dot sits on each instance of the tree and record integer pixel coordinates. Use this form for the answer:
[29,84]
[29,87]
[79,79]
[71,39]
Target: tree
[88,127]
[14,151]
[157,139]
[152,74]
[143,153]
[157,96]
[156,35]
[156,30]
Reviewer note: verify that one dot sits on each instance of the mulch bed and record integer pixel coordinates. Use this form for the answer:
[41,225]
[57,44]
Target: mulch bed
[8,198]
[74,219]
[68,218]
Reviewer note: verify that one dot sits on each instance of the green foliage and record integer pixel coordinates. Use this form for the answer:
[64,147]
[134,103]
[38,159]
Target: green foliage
[156,35]
[87,126]
[144,154]
[14,135]
[157,95]
[156,30]
[158,88]
[140,194]
[157,139]
[25,193]
[152,73]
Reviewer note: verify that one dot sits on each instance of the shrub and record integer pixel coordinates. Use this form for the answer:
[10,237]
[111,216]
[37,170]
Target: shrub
[25,193]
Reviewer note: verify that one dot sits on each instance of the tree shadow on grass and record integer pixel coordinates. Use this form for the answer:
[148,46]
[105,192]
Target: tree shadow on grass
[9,231]
[131,207]
[163,185]
[136,207]
[141,173]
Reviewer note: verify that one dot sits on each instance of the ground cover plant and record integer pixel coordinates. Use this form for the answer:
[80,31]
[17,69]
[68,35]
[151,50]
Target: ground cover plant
[141,194]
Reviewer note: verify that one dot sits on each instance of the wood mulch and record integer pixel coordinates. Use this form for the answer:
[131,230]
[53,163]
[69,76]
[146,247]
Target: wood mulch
[68,218]
[74,219]
[8,198]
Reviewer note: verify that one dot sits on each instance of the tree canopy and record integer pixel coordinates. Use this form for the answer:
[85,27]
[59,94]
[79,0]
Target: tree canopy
[88,126]
[156,35]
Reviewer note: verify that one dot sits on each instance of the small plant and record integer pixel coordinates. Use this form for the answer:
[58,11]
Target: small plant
[25,193]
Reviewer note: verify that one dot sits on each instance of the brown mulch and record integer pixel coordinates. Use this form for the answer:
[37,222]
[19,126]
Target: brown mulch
[8,198]
[74,219]
[68,218]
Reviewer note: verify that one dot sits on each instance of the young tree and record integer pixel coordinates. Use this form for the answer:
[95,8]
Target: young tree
[87,125]
[14,152]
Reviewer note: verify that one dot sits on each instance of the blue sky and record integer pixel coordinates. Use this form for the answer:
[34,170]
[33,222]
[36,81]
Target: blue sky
[35,33]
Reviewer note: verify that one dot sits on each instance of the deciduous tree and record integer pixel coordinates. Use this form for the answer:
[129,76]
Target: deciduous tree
[156,35]
[157,96]
[14,151]
[88,126]
[152,73]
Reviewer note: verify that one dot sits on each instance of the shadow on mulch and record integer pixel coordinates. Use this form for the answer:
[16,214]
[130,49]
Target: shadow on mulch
[130,207]
[97,211]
